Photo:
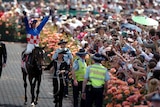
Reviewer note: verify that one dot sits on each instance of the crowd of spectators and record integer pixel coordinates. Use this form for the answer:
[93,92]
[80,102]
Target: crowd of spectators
[134,54]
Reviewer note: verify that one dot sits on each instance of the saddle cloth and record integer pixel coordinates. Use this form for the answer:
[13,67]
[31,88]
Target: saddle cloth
[23,63]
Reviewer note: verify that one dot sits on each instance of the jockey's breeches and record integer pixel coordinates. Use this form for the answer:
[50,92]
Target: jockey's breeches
[30,47]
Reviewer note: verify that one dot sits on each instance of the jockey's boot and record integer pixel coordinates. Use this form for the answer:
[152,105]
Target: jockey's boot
[24,57]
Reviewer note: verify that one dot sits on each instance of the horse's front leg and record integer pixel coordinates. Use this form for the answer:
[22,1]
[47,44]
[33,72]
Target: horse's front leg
[38,88]
[25,85]
[32,82]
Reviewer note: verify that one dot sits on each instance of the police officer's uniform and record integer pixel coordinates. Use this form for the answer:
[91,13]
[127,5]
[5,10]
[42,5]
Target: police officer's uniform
[96,75]
[79,69]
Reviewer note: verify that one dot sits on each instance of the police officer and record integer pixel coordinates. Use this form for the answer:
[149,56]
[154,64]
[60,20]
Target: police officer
[79,68]
[97,75]
[67,58]
[3,56]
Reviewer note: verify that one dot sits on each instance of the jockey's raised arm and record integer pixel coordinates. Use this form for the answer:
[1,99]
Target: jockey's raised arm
[26,23]
[43,22]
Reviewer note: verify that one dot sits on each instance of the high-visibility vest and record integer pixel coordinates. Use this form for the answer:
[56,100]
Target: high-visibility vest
[97,75]
[81,71]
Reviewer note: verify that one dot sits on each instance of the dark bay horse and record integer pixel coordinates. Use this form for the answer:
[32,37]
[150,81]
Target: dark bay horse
[34,73]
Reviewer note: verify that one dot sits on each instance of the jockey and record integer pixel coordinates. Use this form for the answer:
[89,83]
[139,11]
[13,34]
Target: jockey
[33,33]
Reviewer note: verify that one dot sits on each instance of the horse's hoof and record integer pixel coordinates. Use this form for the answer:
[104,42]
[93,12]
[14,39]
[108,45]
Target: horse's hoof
[35,102]
[25,103]
[32,104]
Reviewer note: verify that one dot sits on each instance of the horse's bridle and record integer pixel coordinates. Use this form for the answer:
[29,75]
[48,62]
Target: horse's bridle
[38,58]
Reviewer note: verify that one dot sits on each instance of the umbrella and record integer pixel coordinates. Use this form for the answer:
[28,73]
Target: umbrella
[144,20]
[131,26]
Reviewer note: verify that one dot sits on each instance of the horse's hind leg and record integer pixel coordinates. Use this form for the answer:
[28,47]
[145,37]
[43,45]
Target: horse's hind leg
[25,84]
[38,88]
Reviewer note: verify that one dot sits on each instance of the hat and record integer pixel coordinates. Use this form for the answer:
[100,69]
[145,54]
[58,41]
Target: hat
[81,52]
[61,51]
[90,29]
[97,57]
[155,97]
[130,40]
[62,42]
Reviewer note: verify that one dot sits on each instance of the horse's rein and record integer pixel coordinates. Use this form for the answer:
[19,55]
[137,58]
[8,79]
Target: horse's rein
[58,79]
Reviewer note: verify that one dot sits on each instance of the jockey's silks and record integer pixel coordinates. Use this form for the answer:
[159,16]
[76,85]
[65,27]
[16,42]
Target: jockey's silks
[33,34]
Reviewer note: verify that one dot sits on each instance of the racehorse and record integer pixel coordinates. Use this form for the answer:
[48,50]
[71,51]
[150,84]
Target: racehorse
[34,73]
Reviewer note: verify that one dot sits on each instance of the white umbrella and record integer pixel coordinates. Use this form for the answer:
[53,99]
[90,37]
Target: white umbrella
[144,20]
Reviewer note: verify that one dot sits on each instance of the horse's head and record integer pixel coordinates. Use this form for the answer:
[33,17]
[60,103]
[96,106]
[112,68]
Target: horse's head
[38,56]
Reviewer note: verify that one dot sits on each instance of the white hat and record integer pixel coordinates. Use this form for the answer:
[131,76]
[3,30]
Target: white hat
[73,20]
[83,42]
[90,30]
[130,39]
